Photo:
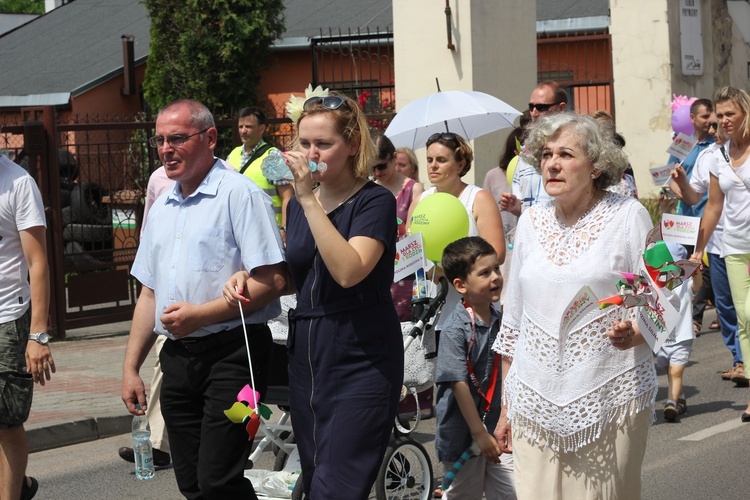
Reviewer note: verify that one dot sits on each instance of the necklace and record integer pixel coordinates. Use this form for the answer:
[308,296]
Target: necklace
[356,181]
[592,203]
[348,194]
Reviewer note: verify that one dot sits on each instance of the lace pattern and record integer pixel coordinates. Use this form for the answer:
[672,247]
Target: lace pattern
[566,386]
[565,244]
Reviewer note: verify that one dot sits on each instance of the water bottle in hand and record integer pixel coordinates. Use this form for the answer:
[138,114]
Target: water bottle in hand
[274,166]
[142,449]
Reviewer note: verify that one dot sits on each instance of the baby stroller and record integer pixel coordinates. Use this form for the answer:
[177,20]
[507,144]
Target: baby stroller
[406,470]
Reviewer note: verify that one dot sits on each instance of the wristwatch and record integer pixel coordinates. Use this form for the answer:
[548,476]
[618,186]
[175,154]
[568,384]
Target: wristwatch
[41,337]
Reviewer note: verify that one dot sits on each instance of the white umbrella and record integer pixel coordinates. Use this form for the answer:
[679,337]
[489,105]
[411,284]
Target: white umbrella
[467,113]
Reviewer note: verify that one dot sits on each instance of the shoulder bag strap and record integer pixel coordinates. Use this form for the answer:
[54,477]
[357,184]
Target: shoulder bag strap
[258,153]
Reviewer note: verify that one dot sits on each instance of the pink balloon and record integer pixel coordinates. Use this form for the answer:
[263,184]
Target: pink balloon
[681,121]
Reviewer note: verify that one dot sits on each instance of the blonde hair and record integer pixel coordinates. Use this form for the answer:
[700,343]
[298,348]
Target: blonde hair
[413,160]
[741,99]
[351,123]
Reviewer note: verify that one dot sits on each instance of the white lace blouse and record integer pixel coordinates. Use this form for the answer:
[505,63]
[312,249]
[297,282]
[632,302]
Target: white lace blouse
[567,395]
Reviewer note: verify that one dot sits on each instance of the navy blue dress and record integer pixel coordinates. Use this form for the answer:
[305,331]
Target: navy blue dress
[346,361]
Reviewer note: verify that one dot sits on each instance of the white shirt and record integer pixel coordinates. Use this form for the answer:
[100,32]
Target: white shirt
[565,387]
[735,184]
[192,246]
[700,181]
[528,185]
[21,208]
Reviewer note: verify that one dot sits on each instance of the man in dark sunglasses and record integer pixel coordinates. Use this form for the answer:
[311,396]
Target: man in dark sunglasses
[547,97]
[528,188]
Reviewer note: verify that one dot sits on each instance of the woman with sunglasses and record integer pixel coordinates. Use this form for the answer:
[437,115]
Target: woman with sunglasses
[449,158]
[729,195]
[344,346]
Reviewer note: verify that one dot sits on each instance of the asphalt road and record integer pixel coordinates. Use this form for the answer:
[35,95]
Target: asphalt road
[702,456]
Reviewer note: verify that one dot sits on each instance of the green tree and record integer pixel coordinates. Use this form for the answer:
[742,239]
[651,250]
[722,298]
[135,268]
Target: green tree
[212,51]
[21,6]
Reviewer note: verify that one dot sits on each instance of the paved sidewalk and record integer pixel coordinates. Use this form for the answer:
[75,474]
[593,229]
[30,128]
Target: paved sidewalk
[82,401]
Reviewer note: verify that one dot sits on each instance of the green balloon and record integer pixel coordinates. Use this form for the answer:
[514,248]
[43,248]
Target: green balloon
[442,219]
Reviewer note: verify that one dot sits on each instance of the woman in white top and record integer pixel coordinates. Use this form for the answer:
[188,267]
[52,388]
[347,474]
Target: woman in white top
[449,158]
[729,193]
[579,401]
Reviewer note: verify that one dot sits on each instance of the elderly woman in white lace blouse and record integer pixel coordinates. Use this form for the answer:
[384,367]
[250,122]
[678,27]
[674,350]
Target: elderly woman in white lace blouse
[578,403]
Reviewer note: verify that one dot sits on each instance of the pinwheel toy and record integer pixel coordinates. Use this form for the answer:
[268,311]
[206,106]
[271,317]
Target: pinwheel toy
[248,409]
[469,452]
[663,272]
[661,266]
[634,290]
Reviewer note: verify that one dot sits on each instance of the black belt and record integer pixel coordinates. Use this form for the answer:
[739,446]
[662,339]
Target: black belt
[199,345]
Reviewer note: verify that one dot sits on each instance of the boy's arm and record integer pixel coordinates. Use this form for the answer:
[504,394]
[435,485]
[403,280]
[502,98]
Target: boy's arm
[697,281]
[488,445]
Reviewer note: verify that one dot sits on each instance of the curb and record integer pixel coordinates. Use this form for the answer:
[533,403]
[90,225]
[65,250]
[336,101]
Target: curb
[77,431]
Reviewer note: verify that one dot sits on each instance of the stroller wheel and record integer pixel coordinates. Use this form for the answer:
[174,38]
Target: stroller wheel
[281,455]
[406,472]
[298,493]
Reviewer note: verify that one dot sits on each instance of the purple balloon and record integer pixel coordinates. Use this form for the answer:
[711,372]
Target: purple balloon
[681,121]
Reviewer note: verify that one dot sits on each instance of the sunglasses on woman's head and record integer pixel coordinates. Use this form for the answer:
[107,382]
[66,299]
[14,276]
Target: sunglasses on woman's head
[445,136]
[330,102]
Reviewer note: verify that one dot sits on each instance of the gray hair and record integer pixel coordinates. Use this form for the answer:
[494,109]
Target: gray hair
[200,116]
[596,142]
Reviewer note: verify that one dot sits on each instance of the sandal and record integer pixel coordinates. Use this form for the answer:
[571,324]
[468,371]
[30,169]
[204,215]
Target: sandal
[438,493]
[697,329]
[29,490]
[715,325]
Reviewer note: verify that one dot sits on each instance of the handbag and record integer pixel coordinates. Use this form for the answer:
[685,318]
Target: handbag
[420,358]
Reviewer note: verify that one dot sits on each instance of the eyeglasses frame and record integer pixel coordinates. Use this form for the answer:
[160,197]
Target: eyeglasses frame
[158,141]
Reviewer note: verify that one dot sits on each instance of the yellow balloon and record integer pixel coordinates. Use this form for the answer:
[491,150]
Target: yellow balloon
[442,219]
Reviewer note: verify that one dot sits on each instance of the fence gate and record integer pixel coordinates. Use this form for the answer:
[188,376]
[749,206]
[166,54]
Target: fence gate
[582,63]
[359,65]
[93,173]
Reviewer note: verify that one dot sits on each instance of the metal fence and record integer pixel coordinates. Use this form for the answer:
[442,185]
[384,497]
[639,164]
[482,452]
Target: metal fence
[93,173]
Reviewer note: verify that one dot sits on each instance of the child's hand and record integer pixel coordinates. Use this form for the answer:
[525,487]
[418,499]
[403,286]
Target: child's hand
[503,434]
[489,447]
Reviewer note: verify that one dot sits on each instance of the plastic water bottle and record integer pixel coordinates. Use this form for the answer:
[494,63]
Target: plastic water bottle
[142,449]
[274,166]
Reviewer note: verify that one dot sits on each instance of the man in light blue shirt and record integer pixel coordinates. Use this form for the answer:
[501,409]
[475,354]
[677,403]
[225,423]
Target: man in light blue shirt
[212,224]
[700,115]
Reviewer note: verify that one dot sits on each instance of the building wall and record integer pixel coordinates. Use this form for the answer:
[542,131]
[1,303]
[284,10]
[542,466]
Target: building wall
[647,53]
[642,68]
[107,99]
[495,52]
[699,85]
